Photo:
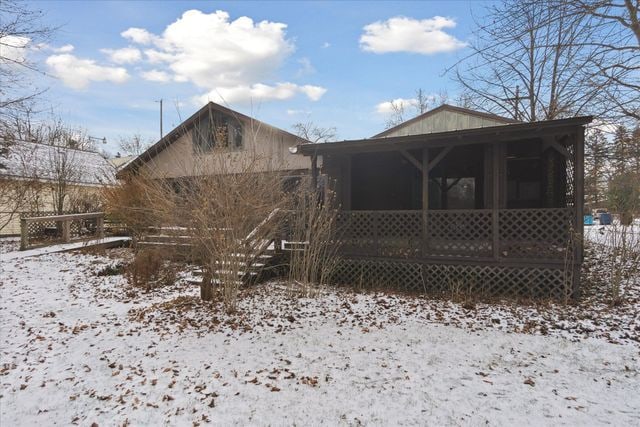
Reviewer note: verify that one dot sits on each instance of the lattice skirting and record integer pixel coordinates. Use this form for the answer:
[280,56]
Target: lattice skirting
[483,280]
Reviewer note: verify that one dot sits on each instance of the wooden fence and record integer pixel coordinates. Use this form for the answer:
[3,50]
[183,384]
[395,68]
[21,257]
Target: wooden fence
[60,228]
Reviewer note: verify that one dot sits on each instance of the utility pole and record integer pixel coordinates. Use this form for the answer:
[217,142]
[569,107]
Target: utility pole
[161,134]
[516,99]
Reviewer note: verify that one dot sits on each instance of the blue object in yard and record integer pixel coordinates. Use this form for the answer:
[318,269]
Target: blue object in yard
[605,219]
[588,220]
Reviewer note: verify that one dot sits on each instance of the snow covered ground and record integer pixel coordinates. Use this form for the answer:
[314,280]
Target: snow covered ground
[78,348]
[606,234]
[9,244]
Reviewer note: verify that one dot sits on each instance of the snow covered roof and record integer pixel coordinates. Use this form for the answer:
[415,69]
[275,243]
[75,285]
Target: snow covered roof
[30,160]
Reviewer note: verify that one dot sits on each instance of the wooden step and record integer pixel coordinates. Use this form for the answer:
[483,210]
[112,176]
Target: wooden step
[294,246]
[163,244]
[198,281]
[165,238]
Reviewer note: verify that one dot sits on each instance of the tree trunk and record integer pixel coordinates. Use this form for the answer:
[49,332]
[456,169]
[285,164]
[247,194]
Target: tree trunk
[206,287]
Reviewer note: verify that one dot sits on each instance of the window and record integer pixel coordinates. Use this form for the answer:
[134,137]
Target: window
[216,130]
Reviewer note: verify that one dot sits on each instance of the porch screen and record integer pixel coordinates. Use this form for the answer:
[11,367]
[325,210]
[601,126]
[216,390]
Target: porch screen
[524,174]
[457,182]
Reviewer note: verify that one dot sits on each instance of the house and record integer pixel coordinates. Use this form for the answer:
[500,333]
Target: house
[456,200]
[42,178]
[193,147]
[120,161]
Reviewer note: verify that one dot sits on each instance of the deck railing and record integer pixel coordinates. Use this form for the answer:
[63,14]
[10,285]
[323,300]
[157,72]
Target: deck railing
[60,228]
[531,234]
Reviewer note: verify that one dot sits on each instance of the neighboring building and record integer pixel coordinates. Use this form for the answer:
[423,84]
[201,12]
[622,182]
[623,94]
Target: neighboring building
[187,149]
[33,175]
[459,201]
[120,161]
[445,118]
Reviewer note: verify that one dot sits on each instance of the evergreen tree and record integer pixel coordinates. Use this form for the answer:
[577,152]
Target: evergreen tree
[620,152]
[596,148]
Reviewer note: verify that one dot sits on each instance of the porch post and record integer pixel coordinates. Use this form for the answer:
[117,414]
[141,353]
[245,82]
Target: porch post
[346,188]
[66,230]
[425,200]
[24,234]
[100,226]
[578,190]
[314,172]
[495,198]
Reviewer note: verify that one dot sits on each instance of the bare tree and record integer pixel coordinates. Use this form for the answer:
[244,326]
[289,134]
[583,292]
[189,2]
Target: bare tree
[618,47]
[66,170]
[623,188]
[134,145]
[20,187]
[532,60]
[21,28]
[314,133]
[420,104]
[634,150]
[60,159]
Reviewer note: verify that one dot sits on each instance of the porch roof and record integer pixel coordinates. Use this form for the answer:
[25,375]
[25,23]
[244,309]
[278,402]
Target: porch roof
[459,137]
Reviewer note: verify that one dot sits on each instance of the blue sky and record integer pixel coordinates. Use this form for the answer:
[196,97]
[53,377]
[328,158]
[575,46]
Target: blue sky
[332,63]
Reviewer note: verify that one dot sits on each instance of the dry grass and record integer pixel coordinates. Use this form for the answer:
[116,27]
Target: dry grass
[619,250]
[312,230]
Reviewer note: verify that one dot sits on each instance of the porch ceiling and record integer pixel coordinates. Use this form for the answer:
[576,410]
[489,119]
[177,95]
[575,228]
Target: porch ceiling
[460,137]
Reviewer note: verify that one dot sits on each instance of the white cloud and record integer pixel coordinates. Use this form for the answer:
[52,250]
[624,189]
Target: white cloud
[156,76]
[67,48]
[126,55]
[78,73]
[228,58]
[291,112]
[14,48]
[260,92]
[401,34]
[326,45]
[156,57]
[210,50]
[138,35]
[305,67]
[314,93]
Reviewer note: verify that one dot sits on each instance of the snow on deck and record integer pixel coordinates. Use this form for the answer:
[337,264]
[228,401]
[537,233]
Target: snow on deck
[78,348]
[63,247]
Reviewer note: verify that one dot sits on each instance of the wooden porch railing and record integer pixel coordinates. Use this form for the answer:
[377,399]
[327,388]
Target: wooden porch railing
[60,226]
[521,234]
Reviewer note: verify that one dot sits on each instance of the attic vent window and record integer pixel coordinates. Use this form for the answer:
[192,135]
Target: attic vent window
[216,130]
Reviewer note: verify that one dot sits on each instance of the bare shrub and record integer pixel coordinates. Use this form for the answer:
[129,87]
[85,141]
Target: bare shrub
[232,218]
[150,269]
[313,235]
[225,191]
[621,247]
[140,202]
[464,289]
